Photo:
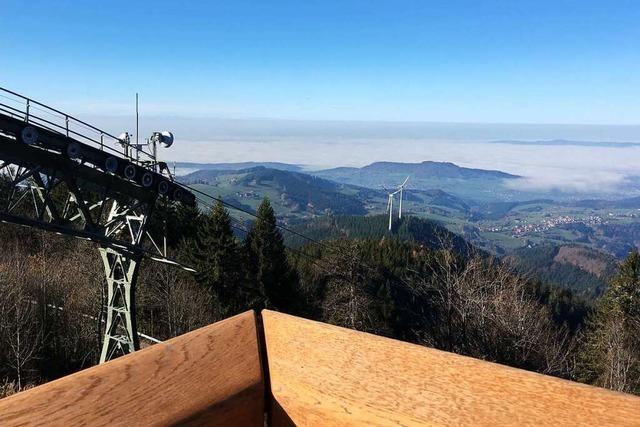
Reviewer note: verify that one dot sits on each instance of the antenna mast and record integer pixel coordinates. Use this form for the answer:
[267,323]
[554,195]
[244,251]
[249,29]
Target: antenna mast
[137,121]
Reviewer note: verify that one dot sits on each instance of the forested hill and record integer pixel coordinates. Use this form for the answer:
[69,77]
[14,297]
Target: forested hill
[421,170]
[411,229]
[584,271]
[293,193]
[468,183]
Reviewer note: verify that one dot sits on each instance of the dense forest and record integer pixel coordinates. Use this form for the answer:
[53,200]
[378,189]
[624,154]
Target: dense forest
[416,284]
[586,276]
[411,229]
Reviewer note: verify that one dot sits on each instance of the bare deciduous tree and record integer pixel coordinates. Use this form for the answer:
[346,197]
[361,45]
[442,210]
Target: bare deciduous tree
[483,310]
[347,302]
[184,305]
[20,334]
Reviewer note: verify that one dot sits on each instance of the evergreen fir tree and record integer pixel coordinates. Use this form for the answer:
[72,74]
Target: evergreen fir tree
[268,269]
[215,254]
[625,287]
[175,221]
[610,354]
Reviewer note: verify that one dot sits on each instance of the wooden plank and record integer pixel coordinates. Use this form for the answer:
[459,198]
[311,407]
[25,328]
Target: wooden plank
[211,376]
[326,375]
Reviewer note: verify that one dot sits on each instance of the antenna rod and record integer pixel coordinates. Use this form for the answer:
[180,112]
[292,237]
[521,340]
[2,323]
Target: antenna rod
[137,121]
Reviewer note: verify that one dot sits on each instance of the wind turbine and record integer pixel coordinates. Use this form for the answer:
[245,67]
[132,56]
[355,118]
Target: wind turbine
[390,205]
[401,189]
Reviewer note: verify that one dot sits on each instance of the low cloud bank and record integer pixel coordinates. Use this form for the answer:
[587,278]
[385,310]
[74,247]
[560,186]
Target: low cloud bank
[574,183]
[545,168]
[323,144]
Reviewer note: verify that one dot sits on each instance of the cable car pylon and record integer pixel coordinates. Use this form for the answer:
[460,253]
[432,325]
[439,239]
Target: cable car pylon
[63,175]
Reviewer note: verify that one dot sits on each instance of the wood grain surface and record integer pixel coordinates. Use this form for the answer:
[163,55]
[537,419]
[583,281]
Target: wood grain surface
[211,376]
[326,375]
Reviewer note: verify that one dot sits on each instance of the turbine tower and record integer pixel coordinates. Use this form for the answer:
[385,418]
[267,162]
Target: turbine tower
[390,205]
[401,190]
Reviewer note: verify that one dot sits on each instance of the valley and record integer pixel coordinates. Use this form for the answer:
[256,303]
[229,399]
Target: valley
[493,223]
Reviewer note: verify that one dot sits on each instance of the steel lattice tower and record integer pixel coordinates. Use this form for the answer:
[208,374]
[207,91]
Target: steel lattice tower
[64,175]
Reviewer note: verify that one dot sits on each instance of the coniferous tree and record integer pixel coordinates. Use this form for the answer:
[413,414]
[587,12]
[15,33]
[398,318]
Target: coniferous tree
[268,269]
[175,221]
[610,355]
[215,254]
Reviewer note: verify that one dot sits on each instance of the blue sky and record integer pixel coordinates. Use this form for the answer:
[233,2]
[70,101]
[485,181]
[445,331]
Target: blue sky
[436,61]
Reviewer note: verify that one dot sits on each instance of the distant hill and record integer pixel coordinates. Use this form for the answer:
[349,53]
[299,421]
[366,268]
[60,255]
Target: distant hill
[578,268]
[203,175]
[236,166]
[628,203]
[419,170]
[292,193]
[419,231]
[467,183]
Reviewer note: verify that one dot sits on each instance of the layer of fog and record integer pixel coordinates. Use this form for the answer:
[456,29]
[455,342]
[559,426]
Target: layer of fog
[317,145]
[564,168]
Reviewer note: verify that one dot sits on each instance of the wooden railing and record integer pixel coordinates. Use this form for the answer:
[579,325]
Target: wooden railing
[325,375]
[314,374]
[209,376]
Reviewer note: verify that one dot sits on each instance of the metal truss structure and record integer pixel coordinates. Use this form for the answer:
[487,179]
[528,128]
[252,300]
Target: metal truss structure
[60,179]
[121,270]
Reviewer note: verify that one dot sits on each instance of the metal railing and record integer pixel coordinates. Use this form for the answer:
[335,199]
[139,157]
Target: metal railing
[31,111]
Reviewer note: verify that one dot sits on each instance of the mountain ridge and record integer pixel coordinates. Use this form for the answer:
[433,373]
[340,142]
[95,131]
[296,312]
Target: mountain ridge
[424,168]
[238,166]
